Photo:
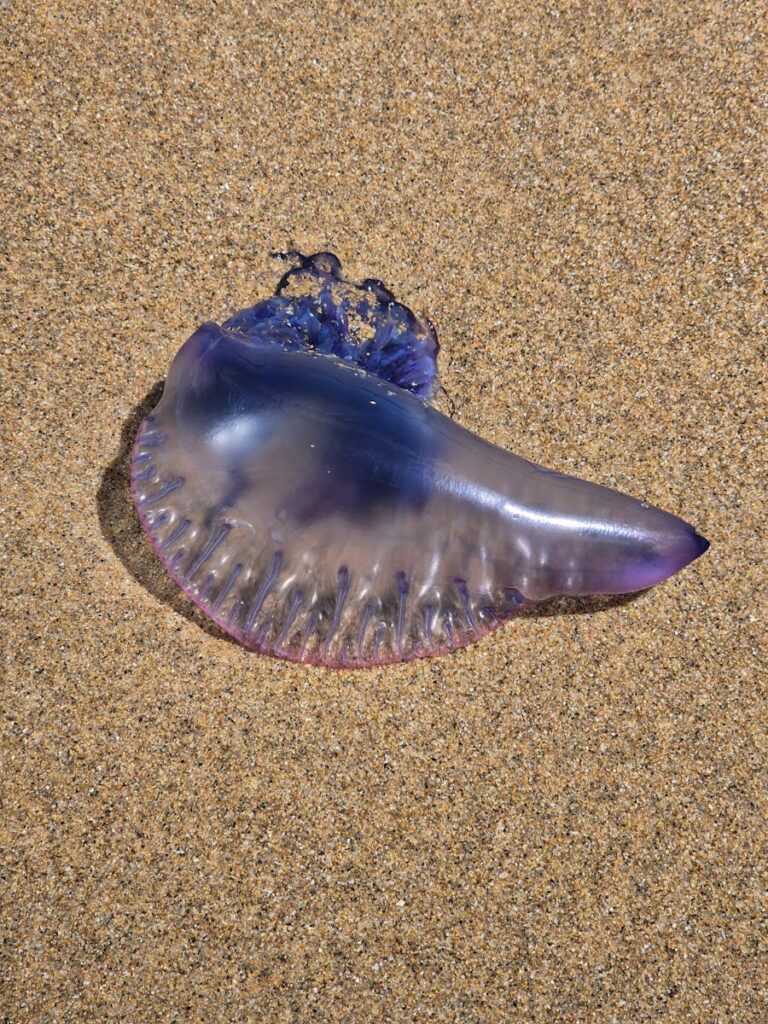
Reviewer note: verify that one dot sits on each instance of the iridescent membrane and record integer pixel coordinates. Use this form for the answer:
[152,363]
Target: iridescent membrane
[299,486]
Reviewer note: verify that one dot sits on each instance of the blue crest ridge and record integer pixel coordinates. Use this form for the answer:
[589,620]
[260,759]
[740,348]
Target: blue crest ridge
[315,308]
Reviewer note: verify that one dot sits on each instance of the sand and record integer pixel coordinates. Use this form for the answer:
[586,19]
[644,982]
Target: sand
[565,822]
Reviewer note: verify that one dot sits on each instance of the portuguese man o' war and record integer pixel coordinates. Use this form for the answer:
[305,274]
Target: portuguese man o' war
[300,487]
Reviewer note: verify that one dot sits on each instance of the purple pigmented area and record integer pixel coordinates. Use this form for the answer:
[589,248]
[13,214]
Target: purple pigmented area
[317,310]
[299,488]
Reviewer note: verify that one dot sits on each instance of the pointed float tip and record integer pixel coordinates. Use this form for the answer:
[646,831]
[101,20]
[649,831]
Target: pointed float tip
[703,544]
[667,553]
[686,550]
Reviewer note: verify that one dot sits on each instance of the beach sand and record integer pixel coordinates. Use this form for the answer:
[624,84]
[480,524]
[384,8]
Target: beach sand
[564,822]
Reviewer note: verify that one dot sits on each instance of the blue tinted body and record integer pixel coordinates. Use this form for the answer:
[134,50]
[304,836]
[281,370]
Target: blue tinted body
[323,512]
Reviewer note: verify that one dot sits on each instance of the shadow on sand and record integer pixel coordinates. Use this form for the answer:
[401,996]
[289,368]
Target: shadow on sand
[121,528]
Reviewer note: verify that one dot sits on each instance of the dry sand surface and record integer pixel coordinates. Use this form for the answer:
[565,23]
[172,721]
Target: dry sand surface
[565,822]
